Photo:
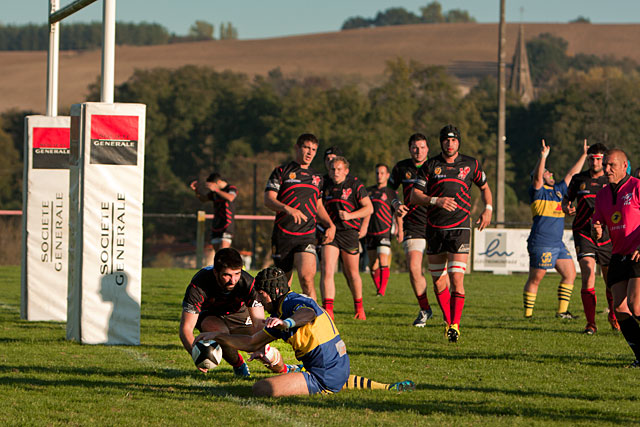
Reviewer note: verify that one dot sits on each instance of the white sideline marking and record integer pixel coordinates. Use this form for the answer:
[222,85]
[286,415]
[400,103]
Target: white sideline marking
[249,403]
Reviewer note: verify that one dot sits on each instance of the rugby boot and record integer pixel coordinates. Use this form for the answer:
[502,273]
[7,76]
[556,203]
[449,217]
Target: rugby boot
[423,316]
[242,371]
[453,334]
[360,315]
[402,386]
[566,315]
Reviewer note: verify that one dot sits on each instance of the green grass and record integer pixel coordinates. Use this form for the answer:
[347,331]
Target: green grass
[504,371]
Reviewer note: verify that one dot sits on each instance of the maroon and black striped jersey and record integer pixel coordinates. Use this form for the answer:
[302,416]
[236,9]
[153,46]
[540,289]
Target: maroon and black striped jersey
[346,196]
[405,173]
[382,217]
[223,210]
[584,188]
[438,178]
[300,189]
[205,294]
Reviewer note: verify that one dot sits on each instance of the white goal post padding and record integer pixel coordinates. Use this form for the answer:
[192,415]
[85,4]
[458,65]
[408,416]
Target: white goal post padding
[45,201]
[105,245]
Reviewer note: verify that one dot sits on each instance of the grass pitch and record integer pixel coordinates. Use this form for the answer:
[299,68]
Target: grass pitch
[504,371]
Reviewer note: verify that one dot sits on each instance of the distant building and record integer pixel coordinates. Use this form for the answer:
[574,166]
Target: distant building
[520,75]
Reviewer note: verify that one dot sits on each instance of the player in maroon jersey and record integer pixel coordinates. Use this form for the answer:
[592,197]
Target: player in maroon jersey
[222,298]
[444,185]
[414,222]
[293,192]
[380,226]
[223,195]
[347,203]
[584,186]
[618,209]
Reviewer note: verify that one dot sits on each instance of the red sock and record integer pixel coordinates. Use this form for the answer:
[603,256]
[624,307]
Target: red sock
[612,311]
[327,304]
[457,304]
[423,301]
[239,362]
[357,305]
[444,301]
[384,280]
[589,304]
[376,274]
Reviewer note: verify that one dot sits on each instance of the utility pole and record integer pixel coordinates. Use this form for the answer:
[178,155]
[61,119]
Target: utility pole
[500,176]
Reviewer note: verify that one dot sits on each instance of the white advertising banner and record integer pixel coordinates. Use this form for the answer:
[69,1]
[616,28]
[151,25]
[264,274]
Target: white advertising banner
[504,250]
[45,218]
[105,245]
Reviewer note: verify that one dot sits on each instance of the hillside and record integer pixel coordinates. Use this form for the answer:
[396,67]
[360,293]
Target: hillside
[469,51]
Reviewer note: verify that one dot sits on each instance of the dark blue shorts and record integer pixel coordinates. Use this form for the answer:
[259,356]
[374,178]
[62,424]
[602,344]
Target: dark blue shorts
[330,380]
[545,257]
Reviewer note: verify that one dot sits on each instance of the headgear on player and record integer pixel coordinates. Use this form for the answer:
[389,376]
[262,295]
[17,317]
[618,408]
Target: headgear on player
[270,280]
[450,131]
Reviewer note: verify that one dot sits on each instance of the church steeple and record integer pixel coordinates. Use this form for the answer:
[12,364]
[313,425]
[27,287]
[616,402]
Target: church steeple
[520,75]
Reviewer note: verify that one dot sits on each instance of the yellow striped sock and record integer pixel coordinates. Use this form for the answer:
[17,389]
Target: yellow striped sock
[564,296]
[529,299]
[356,381]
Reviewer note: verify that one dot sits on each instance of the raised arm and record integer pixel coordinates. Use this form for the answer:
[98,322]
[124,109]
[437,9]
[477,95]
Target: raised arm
[578,166]
[538,171]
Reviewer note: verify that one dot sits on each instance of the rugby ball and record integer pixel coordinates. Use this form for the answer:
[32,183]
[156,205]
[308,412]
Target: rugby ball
[206,354]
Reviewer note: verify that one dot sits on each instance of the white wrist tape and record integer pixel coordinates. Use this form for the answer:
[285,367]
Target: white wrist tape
[433,200]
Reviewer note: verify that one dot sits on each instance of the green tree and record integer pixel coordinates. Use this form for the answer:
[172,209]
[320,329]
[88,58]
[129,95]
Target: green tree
[395,16]
[356,22]
[228,31]
[10,173]
[458,15]
[548,57]
[201,30]
[432,13]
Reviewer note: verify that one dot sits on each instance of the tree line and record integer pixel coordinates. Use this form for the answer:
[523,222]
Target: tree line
[200,120]
[429,14]
[83,36]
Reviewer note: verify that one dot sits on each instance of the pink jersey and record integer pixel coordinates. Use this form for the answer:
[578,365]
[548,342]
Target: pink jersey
[622,218]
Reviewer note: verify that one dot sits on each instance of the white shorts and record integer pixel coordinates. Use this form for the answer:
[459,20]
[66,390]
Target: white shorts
[419,245]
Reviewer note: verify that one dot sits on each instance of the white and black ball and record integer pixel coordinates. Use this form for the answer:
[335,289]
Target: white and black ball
[206,354]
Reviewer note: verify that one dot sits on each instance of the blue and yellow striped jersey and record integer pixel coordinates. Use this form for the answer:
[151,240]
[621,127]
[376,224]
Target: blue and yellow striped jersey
[317,344]
[548,218]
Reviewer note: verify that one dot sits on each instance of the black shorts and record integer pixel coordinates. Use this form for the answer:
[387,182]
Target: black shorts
[621,269]
[284,247]
[412,230]
[238,322]
[346,240]
[453,241]
[586,247]
[373,242]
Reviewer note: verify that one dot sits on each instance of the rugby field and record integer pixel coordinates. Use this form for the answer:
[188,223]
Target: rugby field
[504,371]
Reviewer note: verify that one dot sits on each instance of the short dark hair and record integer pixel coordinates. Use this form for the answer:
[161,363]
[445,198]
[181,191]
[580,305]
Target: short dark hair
[215,176]
[415,138]
[306,137]
[382,165]
[273,281]
[597,148]
[227,258]
[636,173]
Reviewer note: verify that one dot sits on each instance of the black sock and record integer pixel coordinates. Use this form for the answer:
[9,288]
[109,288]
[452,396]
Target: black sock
[631,332]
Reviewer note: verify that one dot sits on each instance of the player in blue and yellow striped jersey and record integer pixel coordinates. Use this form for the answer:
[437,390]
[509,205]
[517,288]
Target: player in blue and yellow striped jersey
[301,322]
[545,245]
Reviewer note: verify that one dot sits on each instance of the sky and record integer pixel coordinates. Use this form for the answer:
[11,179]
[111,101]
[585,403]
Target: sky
[256,19]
